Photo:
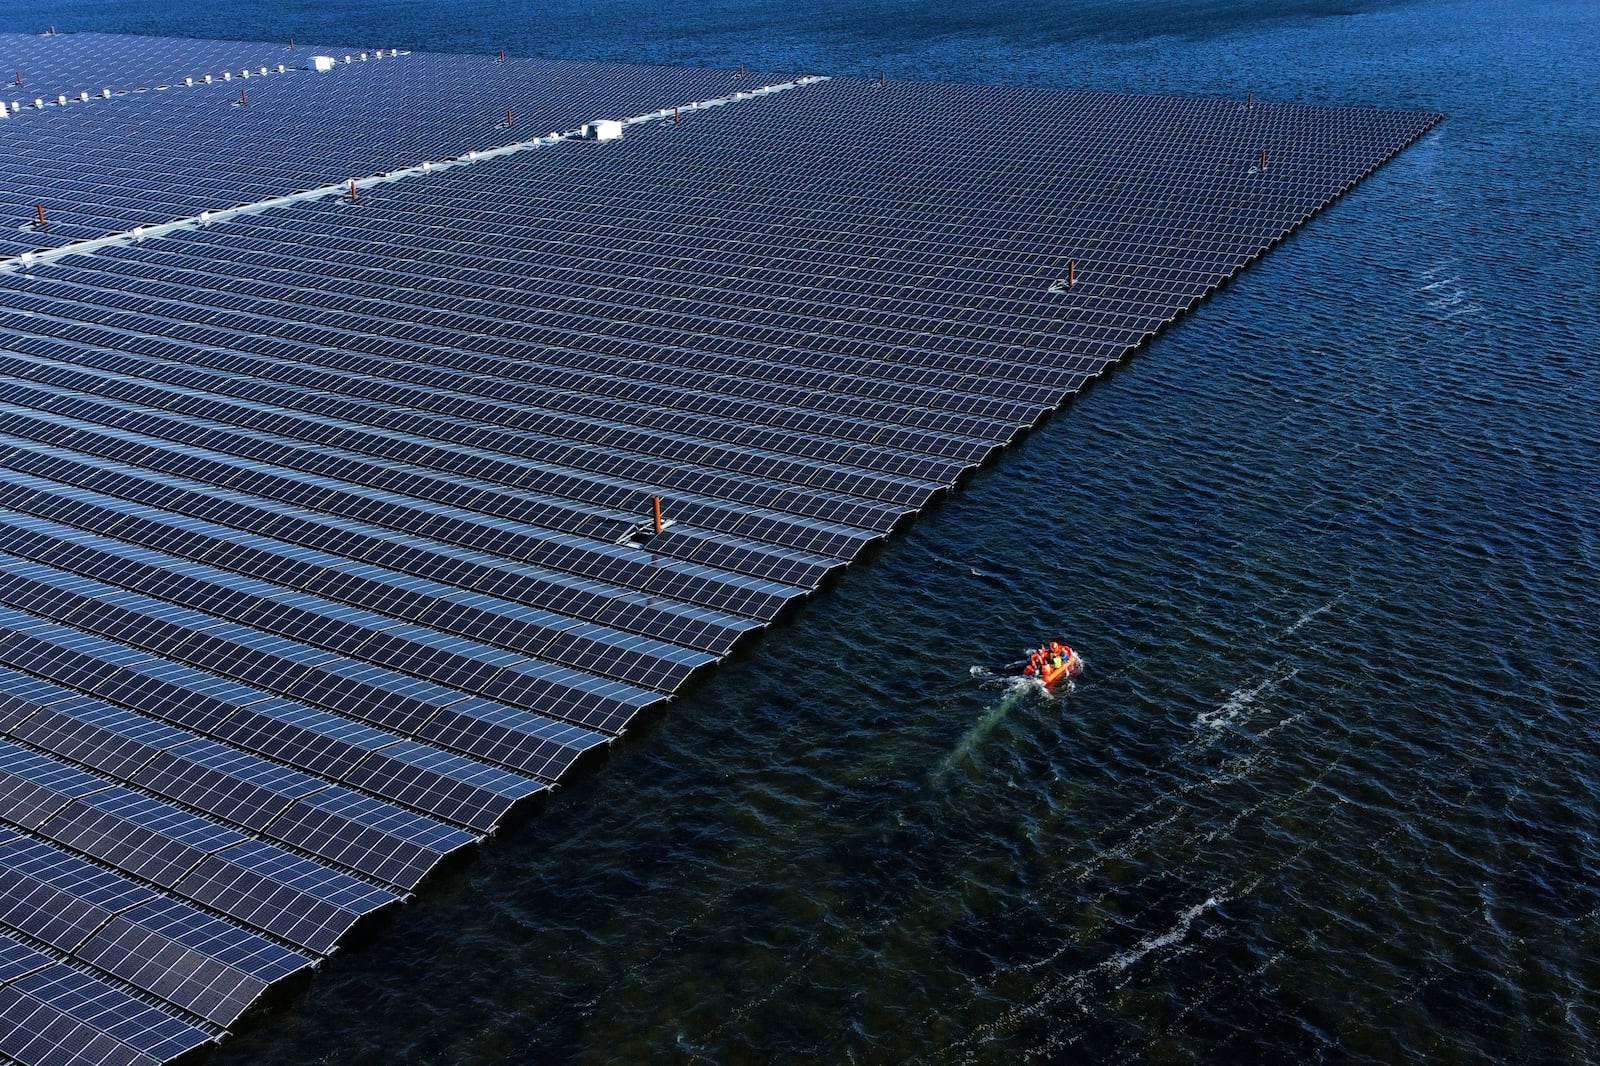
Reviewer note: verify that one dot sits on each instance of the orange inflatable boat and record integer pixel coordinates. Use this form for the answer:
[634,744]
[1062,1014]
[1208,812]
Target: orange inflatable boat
[1053,662]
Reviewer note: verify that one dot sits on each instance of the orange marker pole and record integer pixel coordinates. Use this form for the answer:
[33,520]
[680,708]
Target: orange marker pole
[508,118]
[355,197]
[1072,273]
[40,209]
[658,514]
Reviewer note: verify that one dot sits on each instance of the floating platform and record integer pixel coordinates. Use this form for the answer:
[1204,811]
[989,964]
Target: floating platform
[380,434]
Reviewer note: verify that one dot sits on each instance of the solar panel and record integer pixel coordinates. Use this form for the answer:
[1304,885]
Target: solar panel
[47,915]
[35,1033]
[88,733]
[329,528]
[136,834]
[158,945]
[18,960]
[34,788]
[446,785]
[138,1025]
[242,949]
[367,835]
[94,884]
[165,967]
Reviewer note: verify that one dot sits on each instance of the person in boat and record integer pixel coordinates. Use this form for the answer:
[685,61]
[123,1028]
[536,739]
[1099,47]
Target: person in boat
[1050,658]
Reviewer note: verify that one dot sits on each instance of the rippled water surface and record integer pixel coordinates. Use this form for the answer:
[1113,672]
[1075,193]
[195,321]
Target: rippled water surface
[1331,547]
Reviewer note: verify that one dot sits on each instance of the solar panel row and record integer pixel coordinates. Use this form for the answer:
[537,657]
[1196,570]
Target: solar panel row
[50,65]
[162,149]
[370,570]
[210,968]
[484,464]
[327,533]
[358,832]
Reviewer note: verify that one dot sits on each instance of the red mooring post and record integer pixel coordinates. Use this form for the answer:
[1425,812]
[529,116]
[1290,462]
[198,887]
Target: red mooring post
[39,208]
[657,500]
[1072,273]
[508,118]
[355,197]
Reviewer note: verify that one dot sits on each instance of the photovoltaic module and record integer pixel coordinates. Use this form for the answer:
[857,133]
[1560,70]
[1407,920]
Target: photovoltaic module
[381,433]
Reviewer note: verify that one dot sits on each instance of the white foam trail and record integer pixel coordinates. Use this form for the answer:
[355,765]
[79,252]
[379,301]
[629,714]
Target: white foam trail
[1239,701]
[1314,613]
[1049,994]
[1447,293]
[1439,268]
[1124,959]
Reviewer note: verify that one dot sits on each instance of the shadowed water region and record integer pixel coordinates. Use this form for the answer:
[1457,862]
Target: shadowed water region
[1326,791]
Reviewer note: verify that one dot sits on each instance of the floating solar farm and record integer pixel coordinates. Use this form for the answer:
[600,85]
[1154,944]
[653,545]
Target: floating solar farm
[381,434]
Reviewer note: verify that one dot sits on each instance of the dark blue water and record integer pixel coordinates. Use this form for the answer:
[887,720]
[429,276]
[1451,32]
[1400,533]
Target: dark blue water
[1331,546]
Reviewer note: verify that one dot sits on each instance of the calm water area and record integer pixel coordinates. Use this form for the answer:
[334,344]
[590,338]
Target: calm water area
[1328,789]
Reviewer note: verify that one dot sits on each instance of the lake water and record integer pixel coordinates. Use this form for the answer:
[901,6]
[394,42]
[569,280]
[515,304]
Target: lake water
[1330,546]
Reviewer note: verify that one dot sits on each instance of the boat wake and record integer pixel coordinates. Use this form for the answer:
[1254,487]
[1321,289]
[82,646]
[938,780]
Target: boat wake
[1017,690]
